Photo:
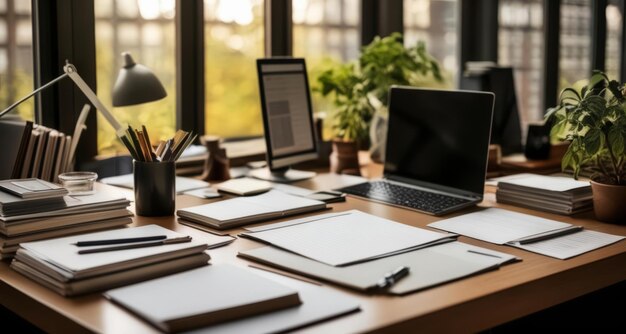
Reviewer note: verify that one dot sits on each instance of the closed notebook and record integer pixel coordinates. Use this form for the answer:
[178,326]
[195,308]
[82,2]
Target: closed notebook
[204,296]
[32,188]
[243,210]
[244,186]
[59,257]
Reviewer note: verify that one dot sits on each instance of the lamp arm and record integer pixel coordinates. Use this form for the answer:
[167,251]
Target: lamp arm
[32,93]
[71,71]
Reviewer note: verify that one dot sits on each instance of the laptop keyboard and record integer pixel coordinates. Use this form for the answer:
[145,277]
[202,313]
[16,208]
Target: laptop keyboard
[405,196]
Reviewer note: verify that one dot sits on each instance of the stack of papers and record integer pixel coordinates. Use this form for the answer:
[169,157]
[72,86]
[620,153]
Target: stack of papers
[554,194]
[345,238]
[535,234]
[196,298]
[244,210]
[64,216]
[58,265]
[358,250]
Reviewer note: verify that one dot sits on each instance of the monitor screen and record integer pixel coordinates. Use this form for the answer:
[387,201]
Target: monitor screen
[506,130]
[287,114]
[438,137]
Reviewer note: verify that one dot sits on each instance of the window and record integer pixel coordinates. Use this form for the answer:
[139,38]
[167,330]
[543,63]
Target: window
[575,56]
[521,46]
[324,32]
[435,23]
[145,28]
[16,56]
[233,41]
[614,23]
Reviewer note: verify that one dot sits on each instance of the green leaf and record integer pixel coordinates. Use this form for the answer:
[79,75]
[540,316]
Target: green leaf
[593,141]
[567,157]
[616,140]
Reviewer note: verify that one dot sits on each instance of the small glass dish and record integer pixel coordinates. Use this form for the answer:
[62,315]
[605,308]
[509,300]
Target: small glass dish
[79,183]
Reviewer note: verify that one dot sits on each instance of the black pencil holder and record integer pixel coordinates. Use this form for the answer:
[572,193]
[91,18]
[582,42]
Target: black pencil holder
[155,188]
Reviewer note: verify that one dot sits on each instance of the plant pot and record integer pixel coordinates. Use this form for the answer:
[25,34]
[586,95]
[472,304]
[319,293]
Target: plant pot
[345,158]
[609,202]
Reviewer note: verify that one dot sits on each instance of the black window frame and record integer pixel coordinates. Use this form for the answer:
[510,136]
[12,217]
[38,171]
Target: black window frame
[65,29]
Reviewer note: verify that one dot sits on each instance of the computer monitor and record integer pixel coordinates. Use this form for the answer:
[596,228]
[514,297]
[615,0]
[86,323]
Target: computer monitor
[287,118]
[506,129]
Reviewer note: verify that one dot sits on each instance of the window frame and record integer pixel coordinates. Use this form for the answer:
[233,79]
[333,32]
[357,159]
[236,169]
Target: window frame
[65,29]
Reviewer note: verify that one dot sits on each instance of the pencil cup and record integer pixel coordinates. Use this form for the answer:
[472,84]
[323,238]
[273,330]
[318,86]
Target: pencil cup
[155,188]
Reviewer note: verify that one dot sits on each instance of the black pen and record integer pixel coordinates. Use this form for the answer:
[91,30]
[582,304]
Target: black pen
[549,235]
[119,241]
[392,277]
[137,245]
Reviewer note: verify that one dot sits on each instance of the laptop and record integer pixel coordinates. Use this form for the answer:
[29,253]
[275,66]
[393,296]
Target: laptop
[436,152]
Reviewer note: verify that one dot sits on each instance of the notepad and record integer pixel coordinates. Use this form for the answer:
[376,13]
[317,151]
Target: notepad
[505,227]
[204,296]
[345,238]
[244,186]
[244,210]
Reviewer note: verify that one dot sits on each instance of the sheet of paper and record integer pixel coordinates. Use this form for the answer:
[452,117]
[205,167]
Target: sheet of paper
[497,225]
[292,190]
[182,183]
[552,183]
[571,245]
[347,239]
[63,253]
[494,180]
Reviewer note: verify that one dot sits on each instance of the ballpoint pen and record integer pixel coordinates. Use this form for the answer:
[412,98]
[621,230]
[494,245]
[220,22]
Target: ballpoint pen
[119,241]
[546,236]
[392,277]
[136,245]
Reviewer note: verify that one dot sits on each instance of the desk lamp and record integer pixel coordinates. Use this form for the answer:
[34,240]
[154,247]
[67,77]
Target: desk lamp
[135,84]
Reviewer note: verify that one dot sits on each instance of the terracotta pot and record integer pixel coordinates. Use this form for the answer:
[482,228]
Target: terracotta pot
[345,158]
[609,202]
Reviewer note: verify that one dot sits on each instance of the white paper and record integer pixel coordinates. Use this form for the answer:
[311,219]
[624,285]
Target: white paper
[571,245]
[345,239]
[497,225]
[63,253]
[182,183]
[551,183]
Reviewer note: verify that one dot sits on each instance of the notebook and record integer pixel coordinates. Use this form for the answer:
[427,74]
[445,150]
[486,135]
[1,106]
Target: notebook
[245,210]
[345,238]
[32,188]
[318,304]
[244,186]
[203,296]
[437,146]
[59,257]
[532,233]
[428,267]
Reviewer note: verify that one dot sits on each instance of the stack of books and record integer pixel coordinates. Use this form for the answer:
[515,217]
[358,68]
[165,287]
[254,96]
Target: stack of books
[33,209]
[97,261]
[562,195]
[43,153]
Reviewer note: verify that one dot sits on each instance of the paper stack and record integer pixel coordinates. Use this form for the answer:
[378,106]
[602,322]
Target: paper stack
[58,265]
[24,220]
[554,194]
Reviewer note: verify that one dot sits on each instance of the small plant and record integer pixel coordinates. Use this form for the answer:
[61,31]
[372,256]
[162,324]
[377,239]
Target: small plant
[358,88]
[594,121]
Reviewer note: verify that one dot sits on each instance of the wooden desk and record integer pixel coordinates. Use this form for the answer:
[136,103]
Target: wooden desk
[468,305]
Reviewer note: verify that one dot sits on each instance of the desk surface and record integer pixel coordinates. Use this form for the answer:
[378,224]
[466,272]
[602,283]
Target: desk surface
[468,305]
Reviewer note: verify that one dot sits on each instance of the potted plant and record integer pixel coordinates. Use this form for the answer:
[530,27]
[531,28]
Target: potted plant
[594,121]
[360,89]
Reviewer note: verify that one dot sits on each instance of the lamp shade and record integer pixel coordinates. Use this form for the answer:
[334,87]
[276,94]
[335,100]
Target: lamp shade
[136,84]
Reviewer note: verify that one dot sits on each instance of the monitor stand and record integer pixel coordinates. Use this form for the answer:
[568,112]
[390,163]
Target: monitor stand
[283,175]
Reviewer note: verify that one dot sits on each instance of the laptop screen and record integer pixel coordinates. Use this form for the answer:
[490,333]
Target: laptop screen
[439,137]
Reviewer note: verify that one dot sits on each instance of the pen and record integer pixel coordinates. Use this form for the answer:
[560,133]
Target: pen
[392,277]
[542,237]
[119,241]
[137,245]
